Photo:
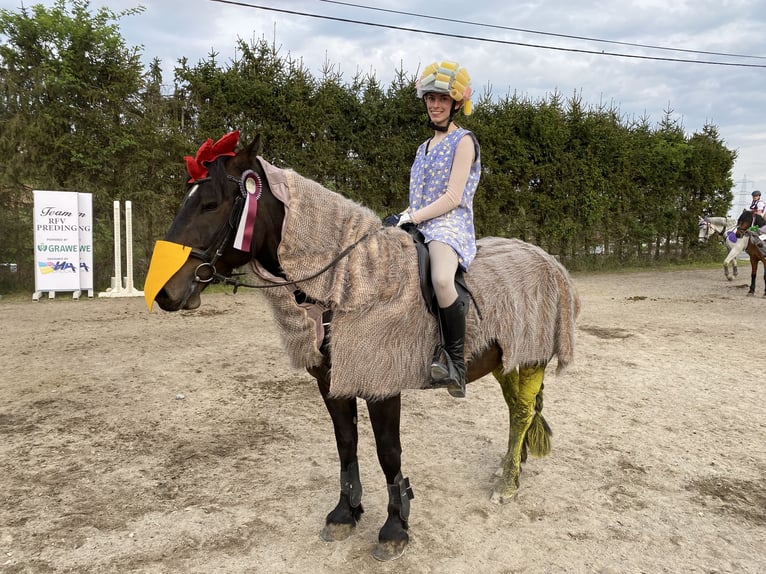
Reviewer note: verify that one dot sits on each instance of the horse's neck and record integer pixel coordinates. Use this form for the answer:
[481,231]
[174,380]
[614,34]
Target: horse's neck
[320,235]
[320,218]
[721,224]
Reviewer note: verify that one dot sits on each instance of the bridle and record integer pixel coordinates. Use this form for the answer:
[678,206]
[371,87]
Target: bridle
[708,227]
[210,255]
[224,235]
[711,229]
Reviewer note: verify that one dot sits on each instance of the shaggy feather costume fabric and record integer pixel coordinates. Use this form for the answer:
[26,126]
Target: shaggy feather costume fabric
[382,336]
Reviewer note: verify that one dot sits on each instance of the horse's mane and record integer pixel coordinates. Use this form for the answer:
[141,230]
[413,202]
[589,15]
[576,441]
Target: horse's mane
[722,221]
[747,218]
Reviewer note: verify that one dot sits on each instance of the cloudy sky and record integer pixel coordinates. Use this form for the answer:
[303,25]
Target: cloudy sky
[705,60]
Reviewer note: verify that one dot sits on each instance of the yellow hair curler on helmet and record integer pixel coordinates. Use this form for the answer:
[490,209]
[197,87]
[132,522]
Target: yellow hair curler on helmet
[447,77]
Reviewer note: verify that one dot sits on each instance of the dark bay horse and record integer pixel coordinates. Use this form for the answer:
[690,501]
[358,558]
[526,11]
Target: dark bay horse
[238,211]
[756,247]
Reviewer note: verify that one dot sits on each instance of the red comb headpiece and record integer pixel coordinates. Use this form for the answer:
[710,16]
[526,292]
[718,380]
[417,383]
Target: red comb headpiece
[209,152]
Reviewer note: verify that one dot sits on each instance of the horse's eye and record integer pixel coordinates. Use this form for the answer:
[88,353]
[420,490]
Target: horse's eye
[209,206]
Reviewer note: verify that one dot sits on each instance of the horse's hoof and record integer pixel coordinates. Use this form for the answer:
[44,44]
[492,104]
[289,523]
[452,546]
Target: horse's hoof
[750,294]
[503,495]
[505,490]
[336,532]
[391,550]
[729,278]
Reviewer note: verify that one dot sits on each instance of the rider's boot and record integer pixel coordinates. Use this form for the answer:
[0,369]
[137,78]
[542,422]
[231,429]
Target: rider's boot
[452,372]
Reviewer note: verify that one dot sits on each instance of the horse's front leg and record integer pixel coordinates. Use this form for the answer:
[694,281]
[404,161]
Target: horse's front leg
[523,393]
[342,520]
[731,259]
[385,416]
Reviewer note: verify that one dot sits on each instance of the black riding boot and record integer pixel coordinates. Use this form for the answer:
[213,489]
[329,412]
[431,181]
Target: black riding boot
[452,374]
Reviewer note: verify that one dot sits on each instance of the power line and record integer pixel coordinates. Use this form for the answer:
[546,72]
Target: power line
[490,40]
[526,31]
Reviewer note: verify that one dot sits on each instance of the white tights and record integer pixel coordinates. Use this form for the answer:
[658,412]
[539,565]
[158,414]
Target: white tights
[444,262]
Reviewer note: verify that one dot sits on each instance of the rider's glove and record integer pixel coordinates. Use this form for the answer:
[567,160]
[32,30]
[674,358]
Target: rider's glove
[397,219]
[391,220]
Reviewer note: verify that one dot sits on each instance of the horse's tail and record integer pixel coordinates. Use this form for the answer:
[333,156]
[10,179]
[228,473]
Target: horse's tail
[539,433]
[569,309]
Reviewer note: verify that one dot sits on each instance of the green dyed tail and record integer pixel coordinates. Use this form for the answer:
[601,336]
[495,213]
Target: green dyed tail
[539,433]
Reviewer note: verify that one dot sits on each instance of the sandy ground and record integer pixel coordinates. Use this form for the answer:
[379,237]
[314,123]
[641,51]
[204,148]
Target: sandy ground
[185,443]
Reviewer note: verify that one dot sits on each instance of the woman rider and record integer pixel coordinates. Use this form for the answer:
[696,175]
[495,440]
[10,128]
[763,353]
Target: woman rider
[443,180]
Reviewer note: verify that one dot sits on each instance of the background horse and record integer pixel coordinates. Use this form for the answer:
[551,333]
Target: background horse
[755,245]
[724,227]
[345,293]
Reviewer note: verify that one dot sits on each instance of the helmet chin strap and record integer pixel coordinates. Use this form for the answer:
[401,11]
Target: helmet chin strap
[433,126]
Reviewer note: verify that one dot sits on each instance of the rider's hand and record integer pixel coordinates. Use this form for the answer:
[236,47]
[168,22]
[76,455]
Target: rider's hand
[392,220]
[397,219]
[404,217]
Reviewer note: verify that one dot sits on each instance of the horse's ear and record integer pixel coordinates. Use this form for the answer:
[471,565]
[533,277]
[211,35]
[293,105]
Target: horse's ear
[255,148]
[247,157]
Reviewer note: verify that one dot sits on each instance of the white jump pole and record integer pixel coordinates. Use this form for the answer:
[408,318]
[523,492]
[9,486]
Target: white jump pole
[129,246]
[117,289]
[117,279]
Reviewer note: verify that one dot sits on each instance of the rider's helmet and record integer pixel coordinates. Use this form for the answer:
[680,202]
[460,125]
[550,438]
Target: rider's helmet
[756,193]
[447,78]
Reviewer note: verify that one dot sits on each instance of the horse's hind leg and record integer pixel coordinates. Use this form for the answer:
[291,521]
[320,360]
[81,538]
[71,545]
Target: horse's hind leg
[385,417]
[523,393]
[342,520]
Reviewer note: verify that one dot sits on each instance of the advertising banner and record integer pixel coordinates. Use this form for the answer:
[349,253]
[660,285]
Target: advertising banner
[62,262]
[85,229]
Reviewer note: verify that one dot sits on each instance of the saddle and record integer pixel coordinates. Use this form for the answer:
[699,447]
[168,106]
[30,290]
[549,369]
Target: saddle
[424,272]
[758,238]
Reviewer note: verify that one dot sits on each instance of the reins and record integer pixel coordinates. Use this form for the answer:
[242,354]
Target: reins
[237,284]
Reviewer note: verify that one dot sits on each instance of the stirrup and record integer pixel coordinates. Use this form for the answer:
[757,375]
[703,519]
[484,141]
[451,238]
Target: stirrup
[439,369]
[439,372]
[455,382]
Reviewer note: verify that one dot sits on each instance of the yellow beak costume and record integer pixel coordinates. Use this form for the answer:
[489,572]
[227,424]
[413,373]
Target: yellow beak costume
[167,259]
